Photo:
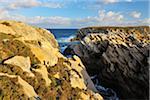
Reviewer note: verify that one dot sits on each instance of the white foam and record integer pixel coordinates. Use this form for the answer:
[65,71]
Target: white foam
[63,48]
[65,39]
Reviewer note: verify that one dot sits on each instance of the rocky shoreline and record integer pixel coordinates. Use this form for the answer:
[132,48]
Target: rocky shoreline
[117,56]
[32,68]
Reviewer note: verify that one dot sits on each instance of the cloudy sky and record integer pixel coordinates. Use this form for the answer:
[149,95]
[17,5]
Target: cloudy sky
[76,13]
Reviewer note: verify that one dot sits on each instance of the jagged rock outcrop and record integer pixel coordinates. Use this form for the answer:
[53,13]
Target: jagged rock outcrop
[118,56]
[31,67]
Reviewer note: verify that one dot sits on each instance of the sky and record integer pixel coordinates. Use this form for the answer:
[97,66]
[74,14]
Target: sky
[76,13]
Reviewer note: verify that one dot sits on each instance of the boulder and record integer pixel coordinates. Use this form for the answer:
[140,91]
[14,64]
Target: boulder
[118,56]
[31,67]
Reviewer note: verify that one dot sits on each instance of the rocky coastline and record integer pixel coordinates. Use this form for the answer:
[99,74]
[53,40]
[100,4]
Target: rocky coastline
[117,56]
[32,68]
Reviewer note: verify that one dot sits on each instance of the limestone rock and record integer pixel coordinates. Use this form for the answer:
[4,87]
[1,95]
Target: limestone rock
[26,88]
[43,71]
[31,66]
[20,61]
[118,56]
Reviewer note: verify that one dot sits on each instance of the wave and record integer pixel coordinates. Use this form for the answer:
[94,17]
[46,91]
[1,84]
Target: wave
[65,39]
[63,48]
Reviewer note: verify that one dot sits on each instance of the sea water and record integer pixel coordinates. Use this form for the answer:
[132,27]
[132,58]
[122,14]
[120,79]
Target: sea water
[63,37]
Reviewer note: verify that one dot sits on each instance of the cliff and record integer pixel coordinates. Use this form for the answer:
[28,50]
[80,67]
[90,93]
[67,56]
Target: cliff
[31,67]
[118,56]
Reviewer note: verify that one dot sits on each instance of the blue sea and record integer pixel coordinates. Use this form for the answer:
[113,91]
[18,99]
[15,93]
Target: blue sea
[63,36]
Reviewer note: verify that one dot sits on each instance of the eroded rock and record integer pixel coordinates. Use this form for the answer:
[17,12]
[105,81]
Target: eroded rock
[118,56]
[30,61]
[22,62]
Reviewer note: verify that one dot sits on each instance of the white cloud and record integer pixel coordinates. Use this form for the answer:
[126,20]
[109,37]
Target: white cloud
[110,16]
[138,22]
[110,1]
[146,21]
[2,11]
[24,4]
[104,18]
[41,21]
[135,14]
[51,5]
[18,4]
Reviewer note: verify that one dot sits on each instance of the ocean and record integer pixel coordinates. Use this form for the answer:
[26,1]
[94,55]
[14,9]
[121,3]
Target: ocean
[63,36]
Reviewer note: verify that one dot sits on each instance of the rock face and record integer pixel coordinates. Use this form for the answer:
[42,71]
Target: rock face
[31,67]
[118,56]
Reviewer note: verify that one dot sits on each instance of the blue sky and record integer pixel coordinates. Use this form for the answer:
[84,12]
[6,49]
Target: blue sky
[76,13]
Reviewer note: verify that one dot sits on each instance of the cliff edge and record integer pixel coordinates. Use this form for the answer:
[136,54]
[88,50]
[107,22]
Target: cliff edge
[31,67]
[117,56]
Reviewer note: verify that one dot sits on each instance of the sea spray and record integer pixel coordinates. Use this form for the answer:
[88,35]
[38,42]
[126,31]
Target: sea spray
[64,37]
